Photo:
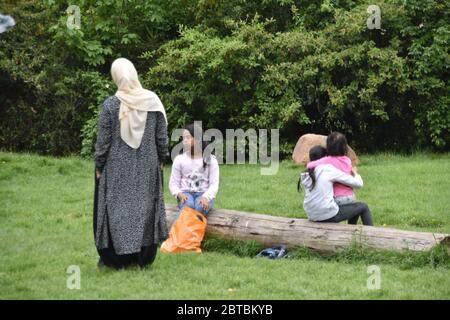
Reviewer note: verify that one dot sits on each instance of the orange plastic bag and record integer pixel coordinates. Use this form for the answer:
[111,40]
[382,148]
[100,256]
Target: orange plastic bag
[186,233]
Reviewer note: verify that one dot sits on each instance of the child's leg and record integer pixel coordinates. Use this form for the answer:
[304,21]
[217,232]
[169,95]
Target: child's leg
[198,206]
[364,213]
[352,212]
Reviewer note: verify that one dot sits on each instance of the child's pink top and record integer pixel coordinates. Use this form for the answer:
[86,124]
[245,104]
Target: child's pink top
[342,163]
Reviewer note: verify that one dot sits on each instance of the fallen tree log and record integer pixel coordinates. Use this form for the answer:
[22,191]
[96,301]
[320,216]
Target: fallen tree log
[322,237]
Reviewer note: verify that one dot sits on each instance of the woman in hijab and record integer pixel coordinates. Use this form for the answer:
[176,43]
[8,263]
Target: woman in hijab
[132,143]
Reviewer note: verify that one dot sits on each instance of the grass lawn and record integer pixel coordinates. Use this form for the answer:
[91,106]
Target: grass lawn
[46,226]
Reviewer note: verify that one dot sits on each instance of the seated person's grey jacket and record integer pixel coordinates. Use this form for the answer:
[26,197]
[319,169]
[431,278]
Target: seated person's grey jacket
[319,203]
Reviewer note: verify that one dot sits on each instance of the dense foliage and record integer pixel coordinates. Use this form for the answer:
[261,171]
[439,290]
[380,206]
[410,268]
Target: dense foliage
[300,66]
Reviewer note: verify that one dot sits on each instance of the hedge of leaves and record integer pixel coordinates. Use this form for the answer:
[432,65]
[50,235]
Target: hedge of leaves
[300,66]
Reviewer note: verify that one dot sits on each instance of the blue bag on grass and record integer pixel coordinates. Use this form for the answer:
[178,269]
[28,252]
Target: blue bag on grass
[276,252]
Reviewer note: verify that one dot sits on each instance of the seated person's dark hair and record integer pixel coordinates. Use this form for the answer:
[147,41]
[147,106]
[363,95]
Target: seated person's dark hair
[315,153]
[337,144]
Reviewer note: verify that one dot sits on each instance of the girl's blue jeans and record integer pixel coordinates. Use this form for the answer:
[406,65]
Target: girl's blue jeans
[193,201]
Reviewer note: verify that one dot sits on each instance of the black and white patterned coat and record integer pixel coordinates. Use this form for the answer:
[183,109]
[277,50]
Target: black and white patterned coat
[130,209]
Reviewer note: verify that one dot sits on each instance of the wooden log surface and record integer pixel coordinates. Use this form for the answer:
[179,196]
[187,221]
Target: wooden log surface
[322,237]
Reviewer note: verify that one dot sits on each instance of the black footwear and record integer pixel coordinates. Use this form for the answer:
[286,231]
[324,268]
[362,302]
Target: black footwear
[100,264]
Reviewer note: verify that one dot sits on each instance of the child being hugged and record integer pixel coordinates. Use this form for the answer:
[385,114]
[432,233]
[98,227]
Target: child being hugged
[194,180]
[337,156]
[319,202]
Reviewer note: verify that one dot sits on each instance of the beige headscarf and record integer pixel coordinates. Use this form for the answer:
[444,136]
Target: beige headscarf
[135,102]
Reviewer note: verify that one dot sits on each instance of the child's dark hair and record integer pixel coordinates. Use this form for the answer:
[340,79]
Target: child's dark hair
[315,153]
[194,128]
[337,144]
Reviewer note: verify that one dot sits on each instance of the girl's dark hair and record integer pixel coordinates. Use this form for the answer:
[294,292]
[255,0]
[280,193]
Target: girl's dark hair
[337,144]
[194,128]
[315,153]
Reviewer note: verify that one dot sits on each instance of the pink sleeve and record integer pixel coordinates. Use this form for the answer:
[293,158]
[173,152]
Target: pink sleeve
[348,163]
[313,164]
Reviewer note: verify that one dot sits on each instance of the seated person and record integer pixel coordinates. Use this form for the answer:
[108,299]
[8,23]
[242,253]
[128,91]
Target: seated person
[319,202]
[194,180]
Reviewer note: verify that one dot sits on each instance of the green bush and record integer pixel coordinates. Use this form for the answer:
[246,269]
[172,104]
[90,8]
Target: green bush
[39,111]
[376,86]
[298,66]
[55,78]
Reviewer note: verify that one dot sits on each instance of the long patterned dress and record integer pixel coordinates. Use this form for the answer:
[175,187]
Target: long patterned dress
[129,211]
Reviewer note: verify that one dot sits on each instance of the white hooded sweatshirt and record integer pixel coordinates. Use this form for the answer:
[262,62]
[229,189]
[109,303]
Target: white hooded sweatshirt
[319,203]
